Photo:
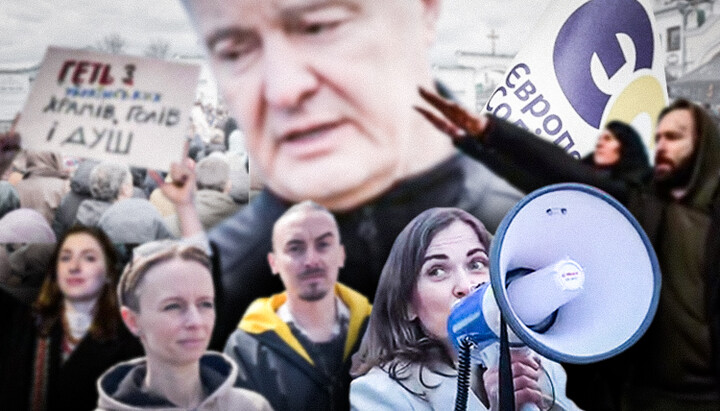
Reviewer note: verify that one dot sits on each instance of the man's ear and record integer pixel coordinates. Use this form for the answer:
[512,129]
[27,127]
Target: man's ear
[342,256]
[129,317]
[431,14]
[271,262]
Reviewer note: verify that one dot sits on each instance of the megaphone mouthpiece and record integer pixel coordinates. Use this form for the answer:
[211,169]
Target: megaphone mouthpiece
[537,295]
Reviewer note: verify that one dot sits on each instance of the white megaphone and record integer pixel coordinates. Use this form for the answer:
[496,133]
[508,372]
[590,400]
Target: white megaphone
[571,272]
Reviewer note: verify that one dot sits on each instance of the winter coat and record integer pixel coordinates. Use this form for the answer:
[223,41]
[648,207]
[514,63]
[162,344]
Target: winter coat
[44,184]
[377,391]
[274,363]
[425,389]
[25,225]
[161,203]
[212,208]
[71,384]
[9,199]
[79,191]
[133,220]
[121,388]
[90,211]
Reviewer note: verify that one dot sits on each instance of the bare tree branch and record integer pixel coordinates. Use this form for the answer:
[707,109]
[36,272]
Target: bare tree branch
[158,48]
[112,43]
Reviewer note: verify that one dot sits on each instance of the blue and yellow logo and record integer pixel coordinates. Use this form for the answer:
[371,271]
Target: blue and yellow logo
[592,30]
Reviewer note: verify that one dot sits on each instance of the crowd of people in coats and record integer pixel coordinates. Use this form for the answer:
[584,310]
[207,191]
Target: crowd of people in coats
[43,194]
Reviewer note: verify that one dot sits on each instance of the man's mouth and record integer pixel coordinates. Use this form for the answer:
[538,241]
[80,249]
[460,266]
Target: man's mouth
[311,274]
[664,162]
[309,132]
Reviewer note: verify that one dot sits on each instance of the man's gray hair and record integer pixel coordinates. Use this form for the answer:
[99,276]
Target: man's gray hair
[212,173]
[107,178]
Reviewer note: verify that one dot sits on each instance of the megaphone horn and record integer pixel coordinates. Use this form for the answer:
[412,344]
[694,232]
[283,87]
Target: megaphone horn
[572,273]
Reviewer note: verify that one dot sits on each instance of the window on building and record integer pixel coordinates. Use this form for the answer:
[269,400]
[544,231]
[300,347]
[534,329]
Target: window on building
[673,38]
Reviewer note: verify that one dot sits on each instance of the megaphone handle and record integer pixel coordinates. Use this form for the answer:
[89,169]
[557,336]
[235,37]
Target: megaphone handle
[507,390]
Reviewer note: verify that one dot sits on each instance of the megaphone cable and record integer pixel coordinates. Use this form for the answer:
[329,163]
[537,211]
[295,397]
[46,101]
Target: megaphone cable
[463,374]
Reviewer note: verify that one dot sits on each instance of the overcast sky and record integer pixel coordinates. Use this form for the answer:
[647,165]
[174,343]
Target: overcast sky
[29,26]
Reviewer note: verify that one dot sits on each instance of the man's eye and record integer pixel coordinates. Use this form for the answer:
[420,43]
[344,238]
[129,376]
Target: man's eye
[230,53]
[172,306]
[318,28]
[232,50]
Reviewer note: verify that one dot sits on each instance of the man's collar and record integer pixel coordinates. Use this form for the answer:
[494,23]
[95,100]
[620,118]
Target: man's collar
[342,315]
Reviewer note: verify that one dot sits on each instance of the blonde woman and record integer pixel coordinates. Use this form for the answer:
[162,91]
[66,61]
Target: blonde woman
[167,300]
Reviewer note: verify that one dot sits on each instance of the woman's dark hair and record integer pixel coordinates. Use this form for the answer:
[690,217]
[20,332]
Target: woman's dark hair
[49,304]
[633,163]
[394,341]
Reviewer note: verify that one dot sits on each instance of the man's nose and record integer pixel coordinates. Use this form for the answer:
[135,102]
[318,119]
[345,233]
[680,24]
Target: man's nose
[660,145]
[288,78]
[312,257]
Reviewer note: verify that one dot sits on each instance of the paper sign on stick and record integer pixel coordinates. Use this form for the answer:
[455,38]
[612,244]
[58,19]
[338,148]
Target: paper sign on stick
[587,63]
[124,109]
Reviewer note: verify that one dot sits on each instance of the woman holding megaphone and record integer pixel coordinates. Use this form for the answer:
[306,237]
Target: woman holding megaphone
[406,360]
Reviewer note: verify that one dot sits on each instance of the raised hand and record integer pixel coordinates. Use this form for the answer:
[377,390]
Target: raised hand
[181,189]
[458,123]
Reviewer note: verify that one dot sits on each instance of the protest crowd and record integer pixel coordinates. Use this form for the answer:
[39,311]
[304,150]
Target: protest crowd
[306,252]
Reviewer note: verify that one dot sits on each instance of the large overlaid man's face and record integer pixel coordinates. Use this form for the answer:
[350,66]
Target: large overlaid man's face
[324,89]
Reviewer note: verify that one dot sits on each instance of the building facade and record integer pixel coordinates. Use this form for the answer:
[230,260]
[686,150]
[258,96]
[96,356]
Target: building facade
[689,32]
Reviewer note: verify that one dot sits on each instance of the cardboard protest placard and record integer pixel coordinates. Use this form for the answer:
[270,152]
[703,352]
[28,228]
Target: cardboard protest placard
[125,109]
[587,63]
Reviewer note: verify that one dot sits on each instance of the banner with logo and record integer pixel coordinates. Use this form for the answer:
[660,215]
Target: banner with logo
[587,63]
[126,109]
